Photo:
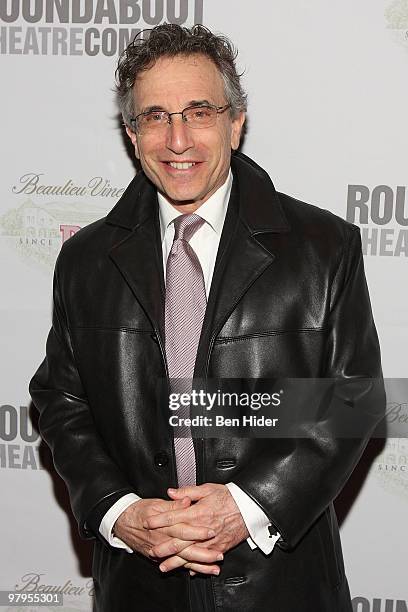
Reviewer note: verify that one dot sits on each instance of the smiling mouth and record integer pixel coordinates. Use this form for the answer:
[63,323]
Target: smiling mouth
[181,165]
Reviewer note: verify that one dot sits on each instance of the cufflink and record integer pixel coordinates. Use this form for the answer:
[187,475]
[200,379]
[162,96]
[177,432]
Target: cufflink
[272,531]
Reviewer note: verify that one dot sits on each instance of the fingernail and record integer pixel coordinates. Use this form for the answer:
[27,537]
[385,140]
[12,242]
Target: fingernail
[211,533]
[216,572]
[145,524]
[150,553]
[220,557]
[163,568]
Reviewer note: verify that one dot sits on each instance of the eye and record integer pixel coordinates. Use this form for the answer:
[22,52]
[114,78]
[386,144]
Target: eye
[153,117]
[202,112]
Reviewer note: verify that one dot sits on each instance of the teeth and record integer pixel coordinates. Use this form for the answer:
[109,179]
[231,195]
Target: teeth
[181,166]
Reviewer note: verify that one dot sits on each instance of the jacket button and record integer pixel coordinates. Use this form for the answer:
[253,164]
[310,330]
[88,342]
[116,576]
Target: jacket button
[161,459]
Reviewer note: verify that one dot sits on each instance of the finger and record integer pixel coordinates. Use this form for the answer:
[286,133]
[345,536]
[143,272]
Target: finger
[168,505]
[183,502]
[203,569]
[168,548]
[197,554]
[188,551]
[173,563]
[193,492]
[184,531]
[167,519]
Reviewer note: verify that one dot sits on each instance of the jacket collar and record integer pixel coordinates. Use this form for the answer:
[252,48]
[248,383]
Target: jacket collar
[259,207]
[135,205]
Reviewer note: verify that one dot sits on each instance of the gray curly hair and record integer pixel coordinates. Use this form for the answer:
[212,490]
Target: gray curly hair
[169,40]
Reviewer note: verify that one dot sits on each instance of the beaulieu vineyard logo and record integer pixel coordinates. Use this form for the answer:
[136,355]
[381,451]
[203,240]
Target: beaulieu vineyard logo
[76,594]
[47,214]
[396,16]
[390,468]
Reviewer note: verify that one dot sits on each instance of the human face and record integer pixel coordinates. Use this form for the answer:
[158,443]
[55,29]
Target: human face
[172,84]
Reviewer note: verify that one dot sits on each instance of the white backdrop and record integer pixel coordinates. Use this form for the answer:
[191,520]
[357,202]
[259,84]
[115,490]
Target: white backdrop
[327,118]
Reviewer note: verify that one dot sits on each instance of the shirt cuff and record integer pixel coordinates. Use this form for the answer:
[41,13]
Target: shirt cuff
[109,519]
[255,520]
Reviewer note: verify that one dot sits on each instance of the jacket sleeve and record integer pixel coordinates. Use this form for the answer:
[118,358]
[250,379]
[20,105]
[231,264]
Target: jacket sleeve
[295,487]
[67,425]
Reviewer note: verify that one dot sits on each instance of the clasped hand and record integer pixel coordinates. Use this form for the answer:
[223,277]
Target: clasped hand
[194,529]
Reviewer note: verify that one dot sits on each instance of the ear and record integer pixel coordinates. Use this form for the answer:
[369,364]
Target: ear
[133,137]
[236,130]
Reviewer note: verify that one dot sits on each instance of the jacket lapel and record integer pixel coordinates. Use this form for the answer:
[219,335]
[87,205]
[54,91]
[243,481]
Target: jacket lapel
[139,256]
[253,212]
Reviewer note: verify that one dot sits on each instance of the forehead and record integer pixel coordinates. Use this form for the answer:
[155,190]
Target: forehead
[175,81]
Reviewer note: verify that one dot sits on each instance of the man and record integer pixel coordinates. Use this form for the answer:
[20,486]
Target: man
[202,268]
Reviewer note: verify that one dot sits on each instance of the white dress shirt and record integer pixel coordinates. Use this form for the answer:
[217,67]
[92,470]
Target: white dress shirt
[205,243]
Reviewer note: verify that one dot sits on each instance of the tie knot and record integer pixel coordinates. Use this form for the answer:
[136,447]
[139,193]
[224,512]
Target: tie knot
[185,226]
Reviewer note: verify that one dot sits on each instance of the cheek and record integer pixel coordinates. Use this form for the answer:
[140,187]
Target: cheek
[224,147]
[145,149]
[219,146]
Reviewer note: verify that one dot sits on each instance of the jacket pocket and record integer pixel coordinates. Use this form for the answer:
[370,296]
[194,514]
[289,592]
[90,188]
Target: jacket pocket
[269,333]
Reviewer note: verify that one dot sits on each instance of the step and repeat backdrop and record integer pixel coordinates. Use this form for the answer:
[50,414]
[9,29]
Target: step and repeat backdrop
[328,99]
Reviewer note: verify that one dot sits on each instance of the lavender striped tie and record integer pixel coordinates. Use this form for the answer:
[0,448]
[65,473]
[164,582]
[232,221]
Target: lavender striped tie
[184,314]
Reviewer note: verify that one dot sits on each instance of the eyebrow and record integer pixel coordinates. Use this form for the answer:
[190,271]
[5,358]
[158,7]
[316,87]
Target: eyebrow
[200,103]
[157,107]
[150,109]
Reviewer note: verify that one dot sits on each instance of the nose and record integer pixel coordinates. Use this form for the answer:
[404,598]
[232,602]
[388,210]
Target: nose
[179,136]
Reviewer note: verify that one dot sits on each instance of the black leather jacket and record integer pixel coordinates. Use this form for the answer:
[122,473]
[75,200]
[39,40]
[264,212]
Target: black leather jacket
[288,299]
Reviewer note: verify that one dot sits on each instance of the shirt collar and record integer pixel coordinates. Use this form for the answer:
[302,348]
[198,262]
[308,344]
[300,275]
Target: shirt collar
[213,210]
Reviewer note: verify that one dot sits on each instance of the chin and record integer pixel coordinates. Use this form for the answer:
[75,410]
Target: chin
[183,197]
